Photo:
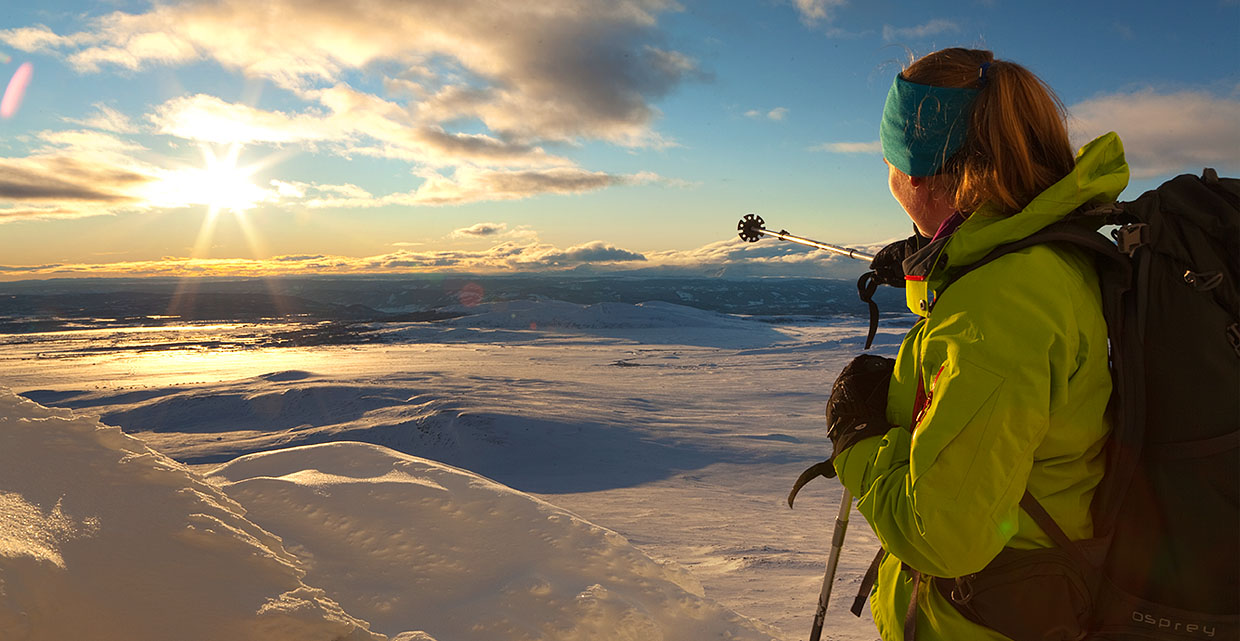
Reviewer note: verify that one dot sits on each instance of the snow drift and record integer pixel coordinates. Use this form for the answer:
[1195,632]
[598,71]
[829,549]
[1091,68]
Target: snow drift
[401,539]
[103,538]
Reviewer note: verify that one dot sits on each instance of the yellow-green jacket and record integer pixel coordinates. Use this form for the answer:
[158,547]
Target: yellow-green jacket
[1001,386]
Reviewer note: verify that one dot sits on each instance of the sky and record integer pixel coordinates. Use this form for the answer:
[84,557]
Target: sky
[259,137]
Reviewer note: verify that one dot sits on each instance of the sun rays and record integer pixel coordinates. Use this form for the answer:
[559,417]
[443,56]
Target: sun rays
[222,185]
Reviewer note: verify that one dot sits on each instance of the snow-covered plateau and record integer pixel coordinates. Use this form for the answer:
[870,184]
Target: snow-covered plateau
[528,470]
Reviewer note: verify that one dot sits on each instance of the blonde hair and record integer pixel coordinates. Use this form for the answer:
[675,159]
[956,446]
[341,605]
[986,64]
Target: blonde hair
[1017,144]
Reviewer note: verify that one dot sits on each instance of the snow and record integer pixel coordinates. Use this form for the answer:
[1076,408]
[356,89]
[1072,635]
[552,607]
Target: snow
[521,314]
[103,538]
[480,560]
[537,470]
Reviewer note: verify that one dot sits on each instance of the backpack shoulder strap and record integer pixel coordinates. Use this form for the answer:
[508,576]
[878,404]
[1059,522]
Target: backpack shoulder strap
[1119,307]
[1079,229]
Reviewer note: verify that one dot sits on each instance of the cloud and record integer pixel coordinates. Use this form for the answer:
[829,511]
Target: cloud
[62,178]
[739,258]
[107,119]
[814,12]
[85,173]
[81,173]
[316,192]
[480,230]
[434,141]
[592,252]
[58,212]
[873,147]
[778,113]
[471,94]
[505,257]
[919,32]
[471,184]
[355,123]
[528,71]
[84,143]
[74,167]
[461,185]
[206,118]
[25,269]
[36,38]
[1164,133]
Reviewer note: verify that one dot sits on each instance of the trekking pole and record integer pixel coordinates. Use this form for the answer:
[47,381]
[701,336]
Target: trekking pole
[837,545]
[751,228]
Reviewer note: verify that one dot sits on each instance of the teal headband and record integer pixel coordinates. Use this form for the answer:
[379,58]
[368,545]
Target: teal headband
[924,125]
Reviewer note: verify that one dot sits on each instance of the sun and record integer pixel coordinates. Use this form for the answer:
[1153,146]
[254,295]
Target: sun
[219,184]
[226,187]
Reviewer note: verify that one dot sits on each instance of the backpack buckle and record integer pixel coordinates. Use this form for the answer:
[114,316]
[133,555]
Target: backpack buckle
[1100,215]
[1131,236]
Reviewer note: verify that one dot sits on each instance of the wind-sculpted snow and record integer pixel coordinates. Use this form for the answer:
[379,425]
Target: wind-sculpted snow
[403,541]
[102,538]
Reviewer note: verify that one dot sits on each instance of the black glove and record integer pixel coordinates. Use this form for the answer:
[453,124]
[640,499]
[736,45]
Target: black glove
[857,408]
[888,263]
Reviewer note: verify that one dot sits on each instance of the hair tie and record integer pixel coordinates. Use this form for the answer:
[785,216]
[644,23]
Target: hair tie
[981,74]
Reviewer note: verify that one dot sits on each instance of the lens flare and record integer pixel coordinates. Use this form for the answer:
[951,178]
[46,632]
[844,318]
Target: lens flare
[470,295]
[16,90]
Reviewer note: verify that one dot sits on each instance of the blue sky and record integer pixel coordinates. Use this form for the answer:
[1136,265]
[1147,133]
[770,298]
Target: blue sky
[249,137]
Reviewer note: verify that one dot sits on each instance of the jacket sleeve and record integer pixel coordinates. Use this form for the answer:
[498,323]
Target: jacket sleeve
[944,498]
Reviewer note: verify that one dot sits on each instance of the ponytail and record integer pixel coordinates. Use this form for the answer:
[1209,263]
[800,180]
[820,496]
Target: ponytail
[1017,144]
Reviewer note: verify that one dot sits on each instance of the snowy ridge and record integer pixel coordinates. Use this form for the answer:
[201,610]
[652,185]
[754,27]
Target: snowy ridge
[103,538]
[404,539]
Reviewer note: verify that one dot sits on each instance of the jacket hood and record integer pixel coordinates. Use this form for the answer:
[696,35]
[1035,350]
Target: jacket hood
[1100,175]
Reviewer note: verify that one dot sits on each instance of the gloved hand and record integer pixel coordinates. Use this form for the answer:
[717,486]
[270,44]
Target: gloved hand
[888,263]
[857,408]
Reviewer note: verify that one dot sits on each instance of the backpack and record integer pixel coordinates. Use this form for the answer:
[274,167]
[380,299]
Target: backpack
[1170,504]
[1165,561]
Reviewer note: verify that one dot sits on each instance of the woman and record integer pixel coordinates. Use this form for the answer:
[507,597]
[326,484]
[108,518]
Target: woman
[1002,385]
